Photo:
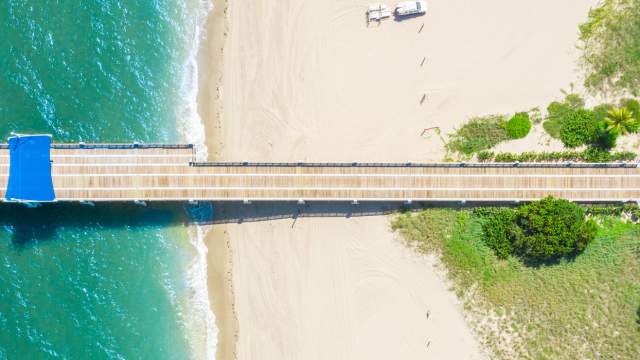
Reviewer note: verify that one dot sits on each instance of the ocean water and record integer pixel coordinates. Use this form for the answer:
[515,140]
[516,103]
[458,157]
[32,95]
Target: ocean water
[111,281]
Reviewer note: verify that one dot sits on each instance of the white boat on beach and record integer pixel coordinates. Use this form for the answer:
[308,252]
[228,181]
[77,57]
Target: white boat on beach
[378,12]
[406,8]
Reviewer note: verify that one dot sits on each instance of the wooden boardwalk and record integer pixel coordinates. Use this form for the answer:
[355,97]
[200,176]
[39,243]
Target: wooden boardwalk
[162,174]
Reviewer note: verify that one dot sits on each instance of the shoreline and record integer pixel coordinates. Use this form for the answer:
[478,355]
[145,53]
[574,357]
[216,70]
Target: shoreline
[210,67]
[219,260]
[220,288]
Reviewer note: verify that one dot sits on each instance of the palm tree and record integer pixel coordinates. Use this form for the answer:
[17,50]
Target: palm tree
[620,121]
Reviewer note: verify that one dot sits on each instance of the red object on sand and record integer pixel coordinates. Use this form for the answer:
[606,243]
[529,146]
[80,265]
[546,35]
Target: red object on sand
[427,129]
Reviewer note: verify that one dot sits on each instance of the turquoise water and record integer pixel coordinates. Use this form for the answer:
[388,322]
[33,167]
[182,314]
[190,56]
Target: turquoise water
[106,282]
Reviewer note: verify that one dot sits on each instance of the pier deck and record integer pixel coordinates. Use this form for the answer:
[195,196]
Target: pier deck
[169,174]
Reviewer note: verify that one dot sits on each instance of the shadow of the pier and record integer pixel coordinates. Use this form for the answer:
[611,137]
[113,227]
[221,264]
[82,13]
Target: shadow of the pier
[41,223]
[27,225]
[237,212]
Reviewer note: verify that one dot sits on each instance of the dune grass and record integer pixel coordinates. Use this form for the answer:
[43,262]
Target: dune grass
[587,307]
[480,133]
[552,127]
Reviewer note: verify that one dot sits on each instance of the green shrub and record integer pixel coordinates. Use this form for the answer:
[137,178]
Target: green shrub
[518,126]
[485,156]
[527,156]
[605,139]
[571,102]
[578,128]
[479,134]
[600,111]
[634,127]
[596,155]
[500,232]
[590,155]
[633,105]
[558,111]
[552,228]
[623,156]
[552,127]
[506,157]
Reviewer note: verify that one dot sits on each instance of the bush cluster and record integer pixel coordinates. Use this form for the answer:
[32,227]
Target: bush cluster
[599,127]
[540,231]
[592,155]
[558,111]
[518,126]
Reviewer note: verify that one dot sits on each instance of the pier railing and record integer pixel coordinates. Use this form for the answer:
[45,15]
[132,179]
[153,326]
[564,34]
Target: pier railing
[416,165]
[115,146]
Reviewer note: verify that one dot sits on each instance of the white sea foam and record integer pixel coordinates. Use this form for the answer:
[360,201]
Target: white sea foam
[190,124]
[199,314]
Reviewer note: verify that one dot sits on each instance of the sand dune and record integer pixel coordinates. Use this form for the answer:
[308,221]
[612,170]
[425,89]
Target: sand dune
[309,80]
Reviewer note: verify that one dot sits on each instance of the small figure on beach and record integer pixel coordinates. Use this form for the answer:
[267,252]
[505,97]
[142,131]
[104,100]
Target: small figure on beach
[428,313]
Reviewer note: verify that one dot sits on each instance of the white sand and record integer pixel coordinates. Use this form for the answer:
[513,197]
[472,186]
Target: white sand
[308,80]
[340,289]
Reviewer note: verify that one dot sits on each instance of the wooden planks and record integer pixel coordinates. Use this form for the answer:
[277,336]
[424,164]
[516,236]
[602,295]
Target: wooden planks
[165,174]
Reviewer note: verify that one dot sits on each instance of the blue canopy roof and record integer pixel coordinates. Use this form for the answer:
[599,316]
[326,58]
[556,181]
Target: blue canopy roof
[30,169]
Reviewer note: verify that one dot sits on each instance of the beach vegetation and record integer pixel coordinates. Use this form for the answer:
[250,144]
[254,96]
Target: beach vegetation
[485,155]
[578,307]
[599,127]
[552,228]
[539,231]
[552,127]
[578,127]
[605,139]
[518,126]
[535,115]
[632,105]
[480,133]
[588,155]
[559,111]
[620,121]
[600,111]
[500,230]
[611,50]
[597,155]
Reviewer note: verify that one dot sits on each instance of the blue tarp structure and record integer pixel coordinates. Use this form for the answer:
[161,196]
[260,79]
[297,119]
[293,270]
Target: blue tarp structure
[30,169]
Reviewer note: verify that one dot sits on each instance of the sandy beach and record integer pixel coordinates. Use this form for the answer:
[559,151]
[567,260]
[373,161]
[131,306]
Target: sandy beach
[294,80]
